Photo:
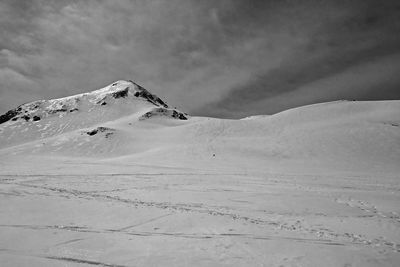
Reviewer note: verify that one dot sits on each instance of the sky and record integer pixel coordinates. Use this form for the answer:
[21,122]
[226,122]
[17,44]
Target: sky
[225,58]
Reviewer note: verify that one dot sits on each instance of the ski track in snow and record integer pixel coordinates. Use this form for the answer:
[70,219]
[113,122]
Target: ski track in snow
[285,226]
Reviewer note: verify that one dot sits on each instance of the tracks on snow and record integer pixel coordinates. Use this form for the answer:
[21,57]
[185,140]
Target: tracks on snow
[323,235]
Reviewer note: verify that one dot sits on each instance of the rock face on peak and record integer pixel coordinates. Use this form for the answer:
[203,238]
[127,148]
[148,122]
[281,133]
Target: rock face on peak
[45,118]
[163,112]
[124,89]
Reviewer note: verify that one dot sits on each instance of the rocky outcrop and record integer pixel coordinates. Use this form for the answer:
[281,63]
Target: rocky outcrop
[143,93]
[172,113]
[9,115]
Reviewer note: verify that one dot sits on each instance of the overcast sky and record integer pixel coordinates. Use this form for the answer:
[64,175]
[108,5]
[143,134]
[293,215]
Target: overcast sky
[210,58]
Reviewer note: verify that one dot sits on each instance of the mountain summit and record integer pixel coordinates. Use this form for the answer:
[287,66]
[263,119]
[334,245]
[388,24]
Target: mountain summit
[129,90]
[45,118]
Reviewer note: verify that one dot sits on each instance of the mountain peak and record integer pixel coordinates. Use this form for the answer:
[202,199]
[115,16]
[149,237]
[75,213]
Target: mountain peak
[117,89]
[119,101]
[135,97]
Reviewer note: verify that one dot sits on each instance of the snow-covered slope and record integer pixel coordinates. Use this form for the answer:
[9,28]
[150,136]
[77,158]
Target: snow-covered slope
[125,120]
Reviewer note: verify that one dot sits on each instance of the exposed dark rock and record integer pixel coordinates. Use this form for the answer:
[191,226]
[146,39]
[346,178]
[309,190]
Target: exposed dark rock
[102,102]
[392,124]
[74,109]
[57,110]
[151,98]
[122,93]
[148,96]
[163,112]
[162,102]
[36,118]
[26,117]
[103,129]
[146,116]
[14,119]
[100,129]
[92,132]
[178,115]
[9,115]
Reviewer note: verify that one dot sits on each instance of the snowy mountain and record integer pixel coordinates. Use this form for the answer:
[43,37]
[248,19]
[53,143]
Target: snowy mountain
[124,119]
[46,118]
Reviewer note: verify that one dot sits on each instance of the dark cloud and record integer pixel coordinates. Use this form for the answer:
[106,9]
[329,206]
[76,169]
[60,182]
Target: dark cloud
[363,35]
[227,58]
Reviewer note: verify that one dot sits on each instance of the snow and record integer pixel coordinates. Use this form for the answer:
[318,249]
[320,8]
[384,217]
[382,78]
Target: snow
[312,186]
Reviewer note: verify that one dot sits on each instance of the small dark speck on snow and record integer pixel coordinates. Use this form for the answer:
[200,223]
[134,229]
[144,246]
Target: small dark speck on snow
[101,129]
[92,132]
[392,124]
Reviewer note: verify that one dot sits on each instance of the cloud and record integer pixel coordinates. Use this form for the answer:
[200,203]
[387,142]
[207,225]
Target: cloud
[360,38]
[16,82]
[206,57]
[377,79]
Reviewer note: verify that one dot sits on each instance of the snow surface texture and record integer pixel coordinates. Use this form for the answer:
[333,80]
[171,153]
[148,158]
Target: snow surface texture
[133,182]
